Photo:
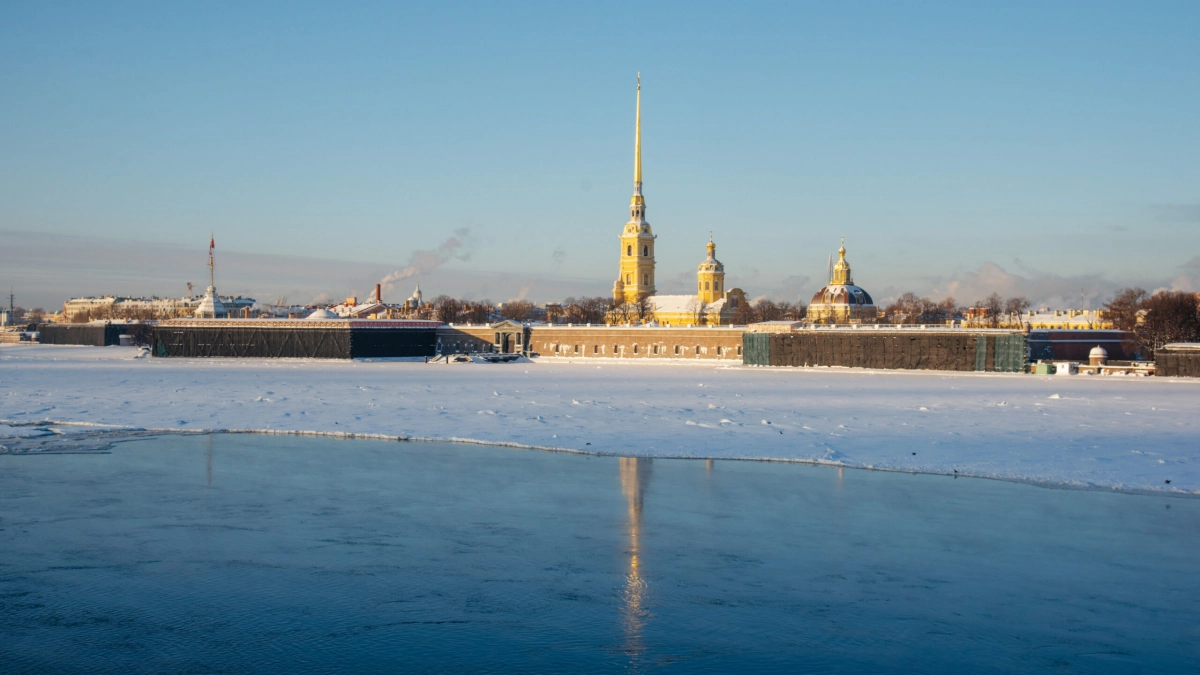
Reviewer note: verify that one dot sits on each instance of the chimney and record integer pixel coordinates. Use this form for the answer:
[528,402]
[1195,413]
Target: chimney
[245,312]
[378,293]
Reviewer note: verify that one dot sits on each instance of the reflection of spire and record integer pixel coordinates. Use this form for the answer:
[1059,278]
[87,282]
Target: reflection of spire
[635,479]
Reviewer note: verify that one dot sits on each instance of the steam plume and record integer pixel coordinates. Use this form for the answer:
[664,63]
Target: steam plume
[427,261]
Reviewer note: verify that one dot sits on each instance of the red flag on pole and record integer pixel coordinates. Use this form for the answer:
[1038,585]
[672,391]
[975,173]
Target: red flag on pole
[212,244]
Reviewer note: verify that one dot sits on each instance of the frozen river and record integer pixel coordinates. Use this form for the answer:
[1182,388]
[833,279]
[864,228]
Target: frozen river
[284,554]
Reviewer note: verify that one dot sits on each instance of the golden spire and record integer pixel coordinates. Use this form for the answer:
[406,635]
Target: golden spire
[841,269]
[637,136]
[712,248]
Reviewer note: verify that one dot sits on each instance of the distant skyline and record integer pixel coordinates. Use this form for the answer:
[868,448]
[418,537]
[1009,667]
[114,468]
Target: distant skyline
[1044,149]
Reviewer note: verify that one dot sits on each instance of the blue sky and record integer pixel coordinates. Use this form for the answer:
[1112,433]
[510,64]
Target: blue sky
[1040,148]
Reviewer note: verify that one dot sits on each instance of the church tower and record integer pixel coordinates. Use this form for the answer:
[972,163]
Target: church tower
[637,241]
[710,276]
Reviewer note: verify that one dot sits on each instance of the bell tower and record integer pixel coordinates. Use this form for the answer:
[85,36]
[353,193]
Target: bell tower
[710,276]
[637,240]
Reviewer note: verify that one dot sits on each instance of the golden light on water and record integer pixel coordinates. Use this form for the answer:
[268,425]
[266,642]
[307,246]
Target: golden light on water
[635,479]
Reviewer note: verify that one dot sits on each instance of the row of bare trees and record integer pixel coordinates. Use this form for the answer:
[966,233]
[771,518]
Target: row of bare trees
[763,309]
[1156,320]
[997,311]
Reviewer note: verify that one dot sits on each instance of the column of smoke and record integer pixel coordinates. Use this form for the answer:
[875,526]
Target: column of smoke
[422,262]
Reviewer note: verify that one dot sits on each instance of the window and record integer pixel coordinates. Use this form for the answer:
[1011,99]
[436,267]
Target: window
[706,285]
[576,349]
[615,350]
[635,349]
[628,278]
[645,250]
[519,336]
[697,348]
[629,250]
[677,349]
[645,279]
[595,349]
[699,286]
[718,350]
[739,350]
[655,349]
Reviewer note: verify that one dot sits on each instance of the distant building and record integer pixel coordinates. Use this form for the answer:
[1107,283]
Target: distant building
[1067,319]
[120,307]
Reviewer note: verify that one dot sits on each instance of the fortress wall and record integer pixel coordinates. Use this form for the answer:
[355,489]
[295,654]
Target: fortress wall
[627,342]
[892,350]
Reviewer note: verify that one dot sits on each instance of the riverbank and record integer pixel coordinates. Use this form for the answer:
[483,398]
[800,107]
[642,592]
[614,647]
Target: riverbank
[1112,433]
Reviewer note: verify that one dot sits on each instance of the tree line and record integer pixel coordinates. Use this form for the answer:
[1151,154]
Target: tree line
[1155,319]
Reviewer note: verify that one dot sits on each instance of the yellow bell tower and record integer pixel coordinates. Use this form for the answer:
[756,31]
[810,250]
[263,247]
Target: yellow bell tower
[637,240]
[710,276]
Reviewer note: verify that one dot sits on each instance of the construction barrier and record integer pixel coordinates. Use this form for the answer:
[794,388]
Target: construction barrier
[889,350]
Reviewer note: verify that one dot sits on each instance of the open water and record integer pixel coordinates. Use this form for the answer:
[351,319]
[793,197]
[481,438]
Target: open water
[236,553]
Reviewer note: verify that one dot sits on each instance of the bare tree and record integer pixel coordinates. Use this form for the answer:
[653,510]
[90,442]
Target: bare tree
[697,311]
[1122,308]
[643,307]
[517,310]
[994,304]
[1171,316]
[1016,305]
[446,309]
[476,312]
[766,310]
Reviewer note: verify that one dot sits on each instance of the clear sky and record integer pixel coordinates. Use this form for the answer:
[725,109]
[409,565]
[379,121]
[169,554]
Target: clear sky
[960,147]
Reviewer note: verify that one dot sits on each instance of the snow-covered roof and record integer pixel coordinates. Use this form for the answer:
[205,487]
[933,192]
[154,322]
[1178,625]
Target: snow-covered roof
[322,315]
[683,304]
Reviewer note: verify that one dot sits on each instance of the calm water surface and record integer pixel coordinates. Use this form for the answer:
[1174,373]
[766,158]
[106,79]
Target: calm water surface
[270,554]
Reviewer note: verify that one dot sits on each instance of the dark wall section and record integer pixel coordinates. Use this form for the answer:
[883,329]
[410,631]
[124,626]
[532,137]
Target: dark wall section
[1177,362]
[1074,345]
[386,343]
[288,342]
[999,352]
[96,335]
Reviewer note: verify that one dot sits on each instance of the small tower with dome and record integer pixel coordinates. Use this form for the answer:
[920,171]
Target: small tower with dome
[841,301]
[710,276]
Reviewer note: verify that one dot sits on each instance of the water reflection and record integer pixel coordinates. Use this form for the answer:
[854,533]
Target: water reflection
[635,479]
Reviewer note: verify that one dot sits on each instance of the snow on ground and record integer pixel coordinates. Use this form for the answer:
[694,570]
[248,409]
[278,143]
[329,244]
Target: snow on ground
[1111,432]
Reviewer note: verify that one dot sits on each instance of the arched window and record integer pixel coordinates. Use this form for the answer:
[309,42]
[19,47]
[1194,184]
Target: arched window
[628,278]
[706,285]
[699,286]
[645,280]
[629,250]
[645,250]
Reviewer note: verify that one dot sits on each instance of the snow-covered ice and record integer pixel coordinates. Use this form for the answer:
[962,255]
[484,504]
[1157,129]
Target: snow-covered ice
[1080,431]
